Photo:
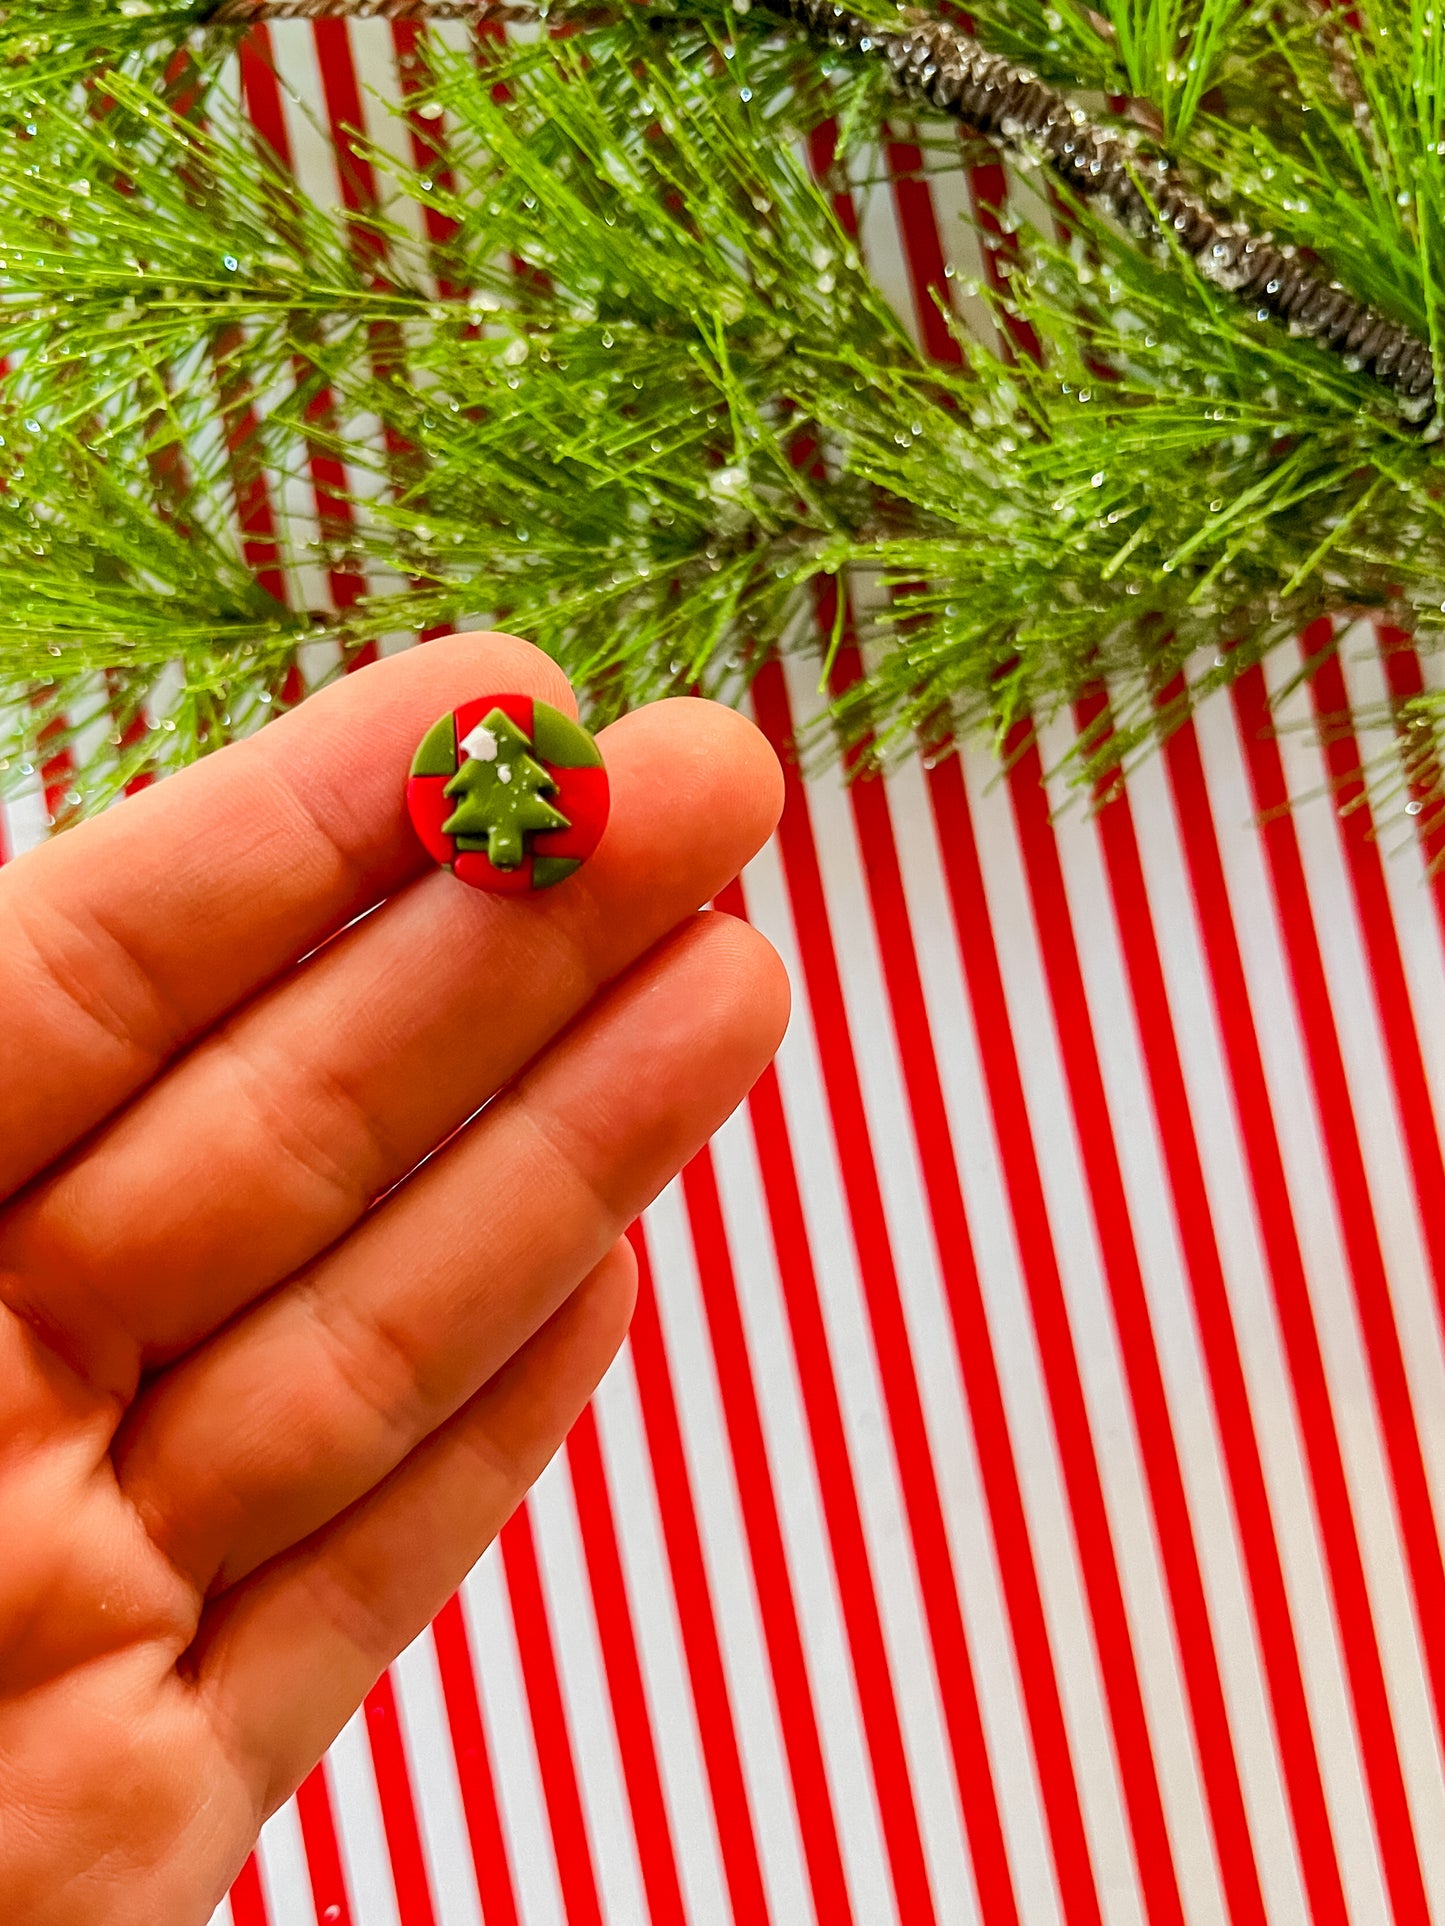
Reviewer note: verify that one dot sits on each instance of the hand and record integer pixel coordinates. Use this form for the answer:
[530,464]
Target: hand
[262,1403]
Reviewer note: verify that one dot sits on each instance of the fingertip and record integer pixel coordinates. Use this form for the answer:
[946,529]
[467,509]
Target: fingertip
[712,760]
[742,956]
[606,1298]
[745,983]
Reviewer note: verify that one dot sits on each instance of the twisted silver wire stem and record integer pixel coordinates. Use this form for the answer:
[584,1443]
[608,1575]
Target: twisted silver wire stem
[246,13]
[936,62]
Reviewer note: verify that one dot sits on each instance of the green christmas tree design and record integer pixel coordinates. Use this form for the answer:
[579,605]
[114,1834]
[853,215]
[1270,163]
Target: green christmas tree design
[501,793]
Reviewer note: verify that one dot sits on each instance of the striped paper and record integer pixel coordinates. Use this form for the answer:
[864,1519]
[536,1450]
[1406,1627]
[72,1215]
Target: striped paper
[1018,1498]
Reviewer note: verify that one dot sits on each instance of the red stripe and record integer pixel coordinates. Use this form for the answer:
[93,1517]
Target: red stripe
[359,193]
[261,91]
[250,488]
[848,1543]
[57,769]
[613,1612]
[248,1900]
[134,733]
[428,147]
[1158,1449]
[1406,682]
[427,139]
[323,1857]
[918,1475]
[1366,1261]
[491,1860]
[988,192]
[696,1615]
[347,119]
[1290,1289]
[549,1723]
[260,544]
[922,250]
[398,1806]
[797,1715]
[1239,1444]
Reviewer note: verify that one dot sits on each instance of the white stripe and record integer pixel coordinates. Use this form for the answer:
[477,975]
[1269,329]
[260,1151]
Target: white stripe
[93,755]
[583,1679]
[659,1642]
[304,102]
[962,248]
[714,1485]
[512,1745]
[25,814]
[360,1830]
[879,236]
[281,1859]
[421,1710]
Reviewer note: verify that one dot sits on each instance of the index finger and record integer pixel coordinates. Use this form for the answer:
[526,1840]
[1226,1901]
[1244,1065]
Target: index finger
[129,935]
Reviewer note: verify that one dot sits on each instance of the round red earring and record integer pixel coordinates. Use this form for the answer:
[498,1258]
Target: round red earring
[508,793]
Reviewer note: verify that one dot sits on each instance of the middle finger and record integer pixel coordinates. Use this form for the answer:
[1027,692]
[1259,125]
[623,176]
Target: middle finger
[275,1135]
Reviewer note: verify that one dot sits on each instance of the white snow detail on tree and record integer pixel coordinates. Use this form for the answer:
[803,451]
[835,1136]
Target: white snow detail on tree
[480,743]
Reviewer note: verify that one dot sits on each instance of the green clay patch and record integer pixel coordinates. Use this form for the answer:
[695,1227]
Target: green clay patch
[547,870]
[561,741]
[437,755]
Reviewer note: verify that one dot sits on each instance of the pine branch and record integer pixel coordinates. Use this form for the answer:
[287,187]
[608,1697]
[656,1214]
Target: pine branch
[610,434]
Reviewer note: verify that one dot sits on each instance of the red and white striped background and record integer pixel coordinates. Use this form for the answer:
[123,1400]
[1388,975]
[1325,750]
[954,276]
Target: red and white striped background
[1017,1500]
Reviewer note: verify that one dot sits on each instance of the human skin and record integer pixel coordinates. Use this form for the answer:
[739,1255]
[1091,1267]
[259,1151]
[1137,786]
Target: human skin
[267,1389]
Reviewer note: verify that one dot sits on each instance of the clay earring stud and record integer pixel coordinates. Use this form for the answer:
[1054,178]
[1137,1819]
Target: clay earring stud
[508,794]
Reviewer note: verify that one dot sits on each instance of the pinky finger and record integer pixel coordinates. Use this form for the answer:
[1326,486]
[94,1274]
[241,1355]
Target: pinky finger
[286,1658]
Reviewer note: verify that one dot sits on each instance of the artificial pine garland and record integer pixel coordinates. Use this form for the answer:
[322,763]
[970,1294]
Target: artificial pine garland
[648,446]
